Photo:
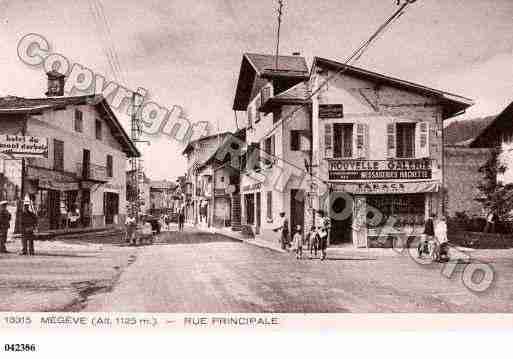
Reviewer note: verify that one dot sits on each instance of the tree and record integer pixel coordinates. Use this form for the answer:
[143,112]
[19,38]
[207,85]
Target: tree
[495,197]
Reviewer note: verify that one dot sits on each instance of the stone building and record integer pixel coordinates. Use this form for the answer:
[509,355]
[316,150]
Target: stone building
[84,167]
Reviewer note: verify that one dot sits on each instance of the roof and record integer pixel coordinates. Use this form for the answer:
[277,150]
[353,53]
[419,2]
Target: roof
[189,146]
[16,105]
[453,104]
[490,136]
[264,66]
[163,184]
[298,94]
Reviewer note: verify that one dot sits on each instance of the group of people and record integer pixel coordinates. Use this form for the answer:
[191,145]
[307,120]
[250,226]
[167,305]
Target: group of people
[28,226]
[316,240]
[434,242]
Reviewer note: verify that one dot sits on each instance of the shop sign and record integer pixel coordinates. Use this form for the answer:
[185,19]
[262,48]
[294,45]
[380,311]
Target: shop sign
[387,187]
[24,146]
[331,111]
[219,191]
[252,187]
[53,180]
[343,170]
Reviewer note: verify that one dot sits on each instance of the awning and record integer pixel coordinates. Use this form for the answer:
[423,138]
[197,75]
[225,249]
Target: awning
[48,179]
[387,187]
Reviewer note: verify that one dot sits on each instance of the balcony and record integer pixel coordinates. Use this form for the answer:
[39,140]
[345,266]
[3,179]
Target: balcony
[92,172]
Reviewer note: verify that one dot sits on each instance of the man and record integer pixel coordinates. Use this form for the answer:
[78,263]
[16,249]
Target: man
[181,217]
[284,231]
[5,220]
[28,226]
[131,227]
[324,231]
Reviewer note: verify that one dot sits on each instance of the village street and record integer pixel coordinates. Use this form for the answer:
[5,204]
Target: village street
[203,272]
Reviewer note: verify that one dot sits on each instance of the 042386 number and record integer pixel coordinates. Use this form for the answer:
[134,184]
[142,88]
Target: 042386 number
[20,347]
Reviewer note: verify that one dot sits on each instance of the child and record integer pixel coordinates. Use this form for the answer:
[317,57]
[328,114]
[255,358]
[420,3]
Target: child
[298,242]
[312,241]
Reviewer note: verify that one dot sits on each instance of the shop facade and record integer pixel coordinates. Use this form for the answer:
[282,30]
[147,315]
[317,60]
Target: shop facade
[377,150]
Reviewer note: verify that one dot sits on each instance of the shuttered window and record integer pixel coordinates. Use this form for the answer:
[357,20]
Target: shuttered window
[295,140]
[391,140]
[58,155]
[343,138]
[405,133]
[362,140]
[328,140]
[79,122]
[110,166]
[269,205]
[98,129]
[422,139]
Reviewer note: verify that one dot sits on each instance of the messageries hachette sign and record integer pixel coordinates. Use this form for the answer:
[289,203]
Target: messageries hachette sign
[347,170]
[24,146]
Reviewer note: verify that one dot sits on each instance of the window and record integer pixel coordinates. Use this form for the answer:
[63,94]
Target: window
[250,117]
[343,138]
[270,205]
[98,129]
[222,179]
[110,166]
[58,155]
[405,140]
[79,123]
[295,140]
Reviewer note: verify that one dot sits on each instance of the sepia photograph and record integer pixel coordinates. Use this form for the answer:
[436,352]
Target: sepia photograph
[265,158]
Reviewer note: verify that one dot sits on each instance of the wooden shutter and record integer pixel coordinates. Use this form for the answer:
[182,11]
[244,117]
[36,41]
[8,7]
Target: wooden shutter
[422,139]
[328,140]
[391,140]
[361,140]
[270,205]
[58,155]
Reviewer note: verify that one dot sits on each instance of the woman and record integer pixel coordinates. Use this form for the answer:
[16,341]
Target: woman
[323,233]
[441,238]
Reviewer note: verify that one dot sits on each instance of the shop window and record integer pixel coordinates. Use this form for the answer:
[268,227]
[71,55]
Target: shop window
[343,140]
[406,208]
[405,140]
[58,155]
[110,166]
[98,129]
[79,122]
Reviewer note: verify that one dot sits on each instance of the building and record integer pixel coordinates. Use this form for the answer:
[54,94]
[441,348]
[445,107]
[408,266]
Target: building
[84,165]
[144,191]
[211,184]
[265,95]
[373,144]
[162,197]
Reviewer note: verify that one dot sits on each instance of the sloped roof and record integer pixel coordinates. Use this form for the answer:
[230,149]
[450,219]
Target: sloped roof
[16,105]
[490,136]
[287,65]
[453,104]
[190,145]
[264,66]
[298,94]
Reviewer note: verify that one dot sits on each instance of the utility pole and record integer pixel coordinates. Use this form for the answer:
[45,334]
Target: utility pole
[280,13]
[136,164]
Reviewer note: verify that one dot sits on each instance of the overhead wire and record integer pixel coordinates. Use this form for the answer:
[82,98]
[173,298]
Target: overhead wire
[353,57]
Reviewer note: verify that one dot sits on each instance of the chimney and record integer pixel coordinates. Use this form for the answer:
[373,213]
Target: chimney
[55,84]
[297,53]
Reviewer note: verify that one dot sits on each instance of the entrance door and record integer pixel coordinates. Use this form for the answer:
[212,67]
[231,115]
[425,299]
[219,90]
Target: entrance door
[110,206]
[258,212]
[86,159]
[54,214]
[85,209]
[341,214]
[360,223]
[297,209]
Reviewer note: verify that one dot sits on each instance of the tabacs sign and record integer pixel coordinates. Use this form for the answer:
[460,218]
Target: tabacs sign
[24,146]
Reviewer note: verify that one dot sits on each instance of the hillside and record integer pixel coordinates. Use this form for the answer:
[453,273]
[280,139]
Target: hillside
[465,130]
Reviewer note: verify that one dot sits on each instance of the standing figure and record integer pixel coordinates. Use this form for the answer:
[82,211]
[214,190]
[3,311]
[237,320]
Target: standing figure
[284,228]
[131,227]
[491,219]
[181,217]
[429,233]
[324,233]
[441,247]
[28,226]
[5,219]
[312,242]
[298,242]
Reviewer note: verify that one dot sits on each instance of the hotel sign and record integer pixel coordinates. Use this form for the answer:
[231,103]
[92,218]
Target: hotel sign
[347,170]
[24,146]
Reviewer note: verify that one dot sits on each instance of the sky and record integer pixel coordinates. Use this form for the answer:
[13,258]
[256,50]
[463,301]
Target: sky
[188,53]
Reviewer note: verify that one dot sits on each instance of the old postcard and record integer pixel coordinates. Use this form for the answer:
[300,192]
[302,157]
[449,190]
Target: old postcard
[255,165]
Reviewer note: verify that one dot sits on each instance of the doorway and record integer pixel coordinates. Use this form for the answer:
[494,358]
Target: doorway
[341,214]
[258,212]
[110,206]
[297,209]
